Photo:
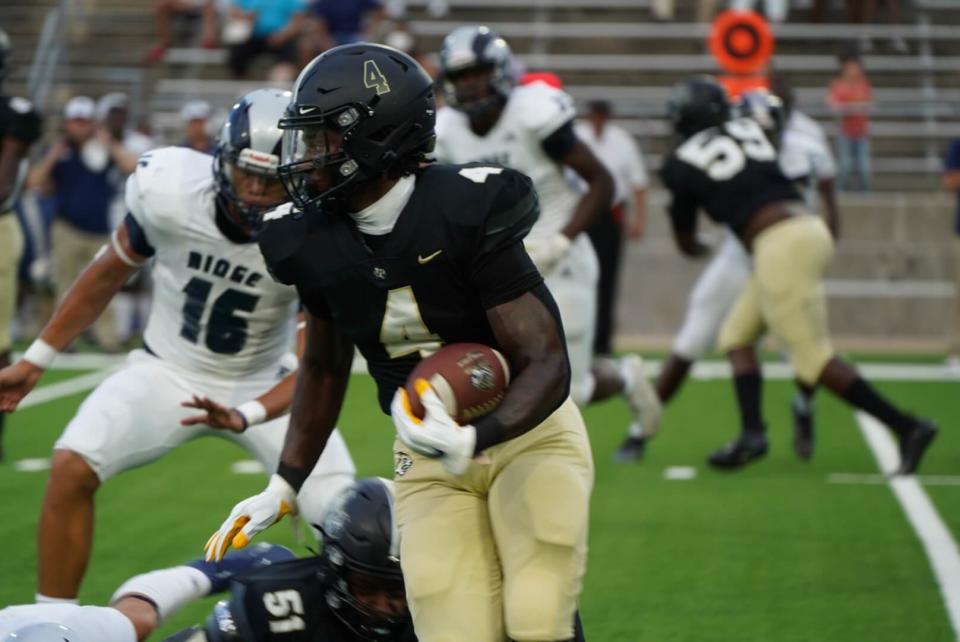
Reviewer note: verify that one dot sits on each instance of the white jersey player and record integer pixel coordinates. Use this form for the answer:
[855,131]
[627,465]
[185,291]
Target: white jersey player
[805,157]
[217,338]
[530,128]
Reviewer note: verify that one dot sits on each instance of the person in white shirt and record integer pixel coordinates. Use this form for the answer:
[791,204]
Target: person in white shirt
[616,149]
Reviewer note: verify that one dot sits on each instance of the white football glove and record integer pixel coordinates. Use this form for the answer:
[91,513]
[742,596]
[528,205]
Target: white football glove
[251,516]
[547,253]
[437,435]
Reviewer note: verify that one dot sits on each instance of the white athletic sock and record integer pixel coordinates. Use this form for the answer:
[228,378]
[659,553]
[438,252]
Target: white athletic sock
[170,589]
[40,598]
[635,431]
[626,373]
[802,403]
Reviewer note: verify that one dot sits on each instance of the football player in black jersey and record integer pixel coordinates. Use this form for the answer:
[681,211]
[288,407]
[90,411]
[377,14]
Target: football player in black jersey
[730,169]
[397,257]
[20,127]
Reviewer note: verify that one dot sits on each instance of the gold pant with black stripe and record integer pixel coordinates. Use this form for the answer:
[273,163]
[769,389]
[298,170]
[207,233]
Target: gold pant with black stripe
[499,551]
[785,295]
[11,248]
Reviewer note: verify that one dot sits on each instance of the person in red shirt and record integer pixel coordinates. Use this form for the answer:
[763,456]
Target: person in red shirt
[851,99]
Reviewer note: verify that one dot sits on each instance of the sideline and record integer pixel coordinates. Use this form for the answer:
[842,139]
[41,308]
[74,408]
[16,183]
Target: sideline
[937,541]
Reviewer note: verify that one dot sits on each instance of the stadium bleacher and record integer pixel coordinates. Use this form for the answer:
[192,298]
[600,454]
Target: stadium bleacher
[614,49]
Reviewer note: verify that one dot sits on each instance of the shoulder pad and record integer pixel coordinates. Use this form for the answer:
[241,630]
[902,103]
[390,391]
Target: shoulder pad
[281,237]
[541,108]
[169,185]
[25,123]
[499,201]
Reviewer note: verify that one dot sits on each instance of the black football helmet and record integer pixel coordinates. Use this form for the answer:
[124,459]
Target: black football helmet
[471,48]
[696,104]
[249,140]
[359,111]
[361,554]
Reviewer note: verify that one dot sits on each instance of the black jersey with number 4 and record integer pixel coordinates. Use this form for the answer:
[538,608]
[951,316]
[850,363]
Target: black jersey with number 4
[456,250]
[731,171]
[20,121]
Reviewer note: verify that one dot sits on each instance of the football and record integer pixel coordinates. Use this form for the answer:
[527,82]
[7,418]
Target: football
[469,378]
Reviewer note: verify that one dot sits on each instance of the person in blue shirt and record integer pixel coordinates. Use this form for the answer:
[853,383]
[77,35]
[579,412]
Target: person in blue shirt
[951,183]
[275,27]
[342,22]
[81,172]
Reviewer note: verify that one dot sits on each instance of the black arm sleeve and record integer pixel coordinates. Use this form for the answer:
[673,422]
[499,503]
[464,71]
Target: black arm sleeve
[557,144]
[138,238]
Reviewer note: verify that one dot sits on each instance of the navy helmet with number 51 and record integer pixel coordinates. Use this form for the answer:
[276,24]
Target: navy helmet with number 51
[359,111]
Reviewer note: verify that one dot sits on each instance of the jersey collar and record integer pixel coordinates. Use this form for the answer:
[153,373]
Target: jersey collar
[381,217]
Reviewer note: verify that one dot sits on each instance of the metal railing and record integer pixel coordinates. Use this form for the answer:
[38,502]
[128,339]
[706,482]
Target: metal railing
[51,47]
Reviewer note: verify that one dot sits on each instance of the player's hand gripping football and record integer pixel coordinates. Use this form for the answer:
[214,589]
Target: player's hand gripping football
[251,516]
[215,415]
[437,435]
[15,382]
[547,253]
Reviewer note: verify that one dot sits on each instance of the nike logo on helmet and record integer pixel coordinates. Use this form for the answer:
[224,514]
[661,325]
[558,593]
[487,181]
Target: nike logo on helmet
[306,109]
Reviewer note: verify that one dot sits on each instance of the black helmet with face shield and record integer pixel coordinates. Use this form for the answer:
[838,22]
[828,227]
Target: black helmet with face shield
[359,111]
[361,552]
[249,141]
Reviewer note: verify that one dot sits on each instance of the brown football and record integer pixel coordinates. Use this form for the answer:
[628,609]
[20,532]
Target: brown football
[469,378]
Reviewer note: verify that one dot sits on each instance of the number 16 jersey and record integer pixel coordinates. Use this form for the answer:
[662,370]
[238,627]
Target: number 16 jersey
[215,309]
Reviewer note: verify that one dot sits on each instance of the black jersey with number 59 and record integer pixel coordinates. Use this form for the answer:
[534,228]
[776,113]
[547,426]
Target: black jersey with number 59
[731,171]
[455,251]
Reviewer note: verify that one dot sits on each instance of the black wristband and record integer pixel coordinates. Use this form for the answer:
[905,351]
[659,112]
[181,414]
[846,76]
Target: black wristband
[490,432]
[293,476]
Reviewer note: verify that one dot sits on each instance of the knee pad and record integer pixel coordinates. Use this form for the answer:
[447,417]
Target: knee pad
[809,362]
[540,600]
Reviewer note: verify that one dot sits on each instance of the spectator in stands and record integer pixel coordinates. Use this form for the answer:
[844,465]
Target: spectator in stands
[195,116]
[865,11]
[340,22]
[775,10]
[255,27]
[80,171]
[951,183]
[615,147]
[164,12]
[664,10]
[804,137]
[851,99]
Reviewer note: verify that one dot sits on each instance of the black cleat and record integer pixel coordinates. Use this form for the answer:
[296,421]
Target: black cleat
[739,452]
[631,449]
[802,430]
[914,445]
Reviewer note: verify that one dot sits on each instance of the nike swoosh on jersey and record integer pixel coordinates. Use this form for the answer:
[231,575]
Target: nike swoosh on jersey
[426,259]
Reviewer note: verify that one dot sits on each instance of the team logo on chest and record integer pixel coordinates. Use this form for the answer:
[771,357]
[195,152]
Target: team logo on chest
[379,273]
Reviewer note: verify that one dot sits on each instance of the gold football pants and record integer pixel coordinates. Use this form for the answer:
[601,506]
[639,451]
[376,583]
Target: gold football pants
[500,550]
[11,248]
[785,295]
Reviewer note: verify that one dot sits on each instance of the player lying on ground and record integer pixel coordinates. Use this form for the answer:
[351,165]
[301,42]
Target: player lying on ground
[730,169]
[218,334]
[398,257]
[352,592]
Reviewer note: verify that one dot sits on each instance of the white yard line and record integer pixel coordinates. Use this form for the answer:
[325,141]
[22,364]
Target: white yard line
[861,479]
[66,388]
[938,542]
